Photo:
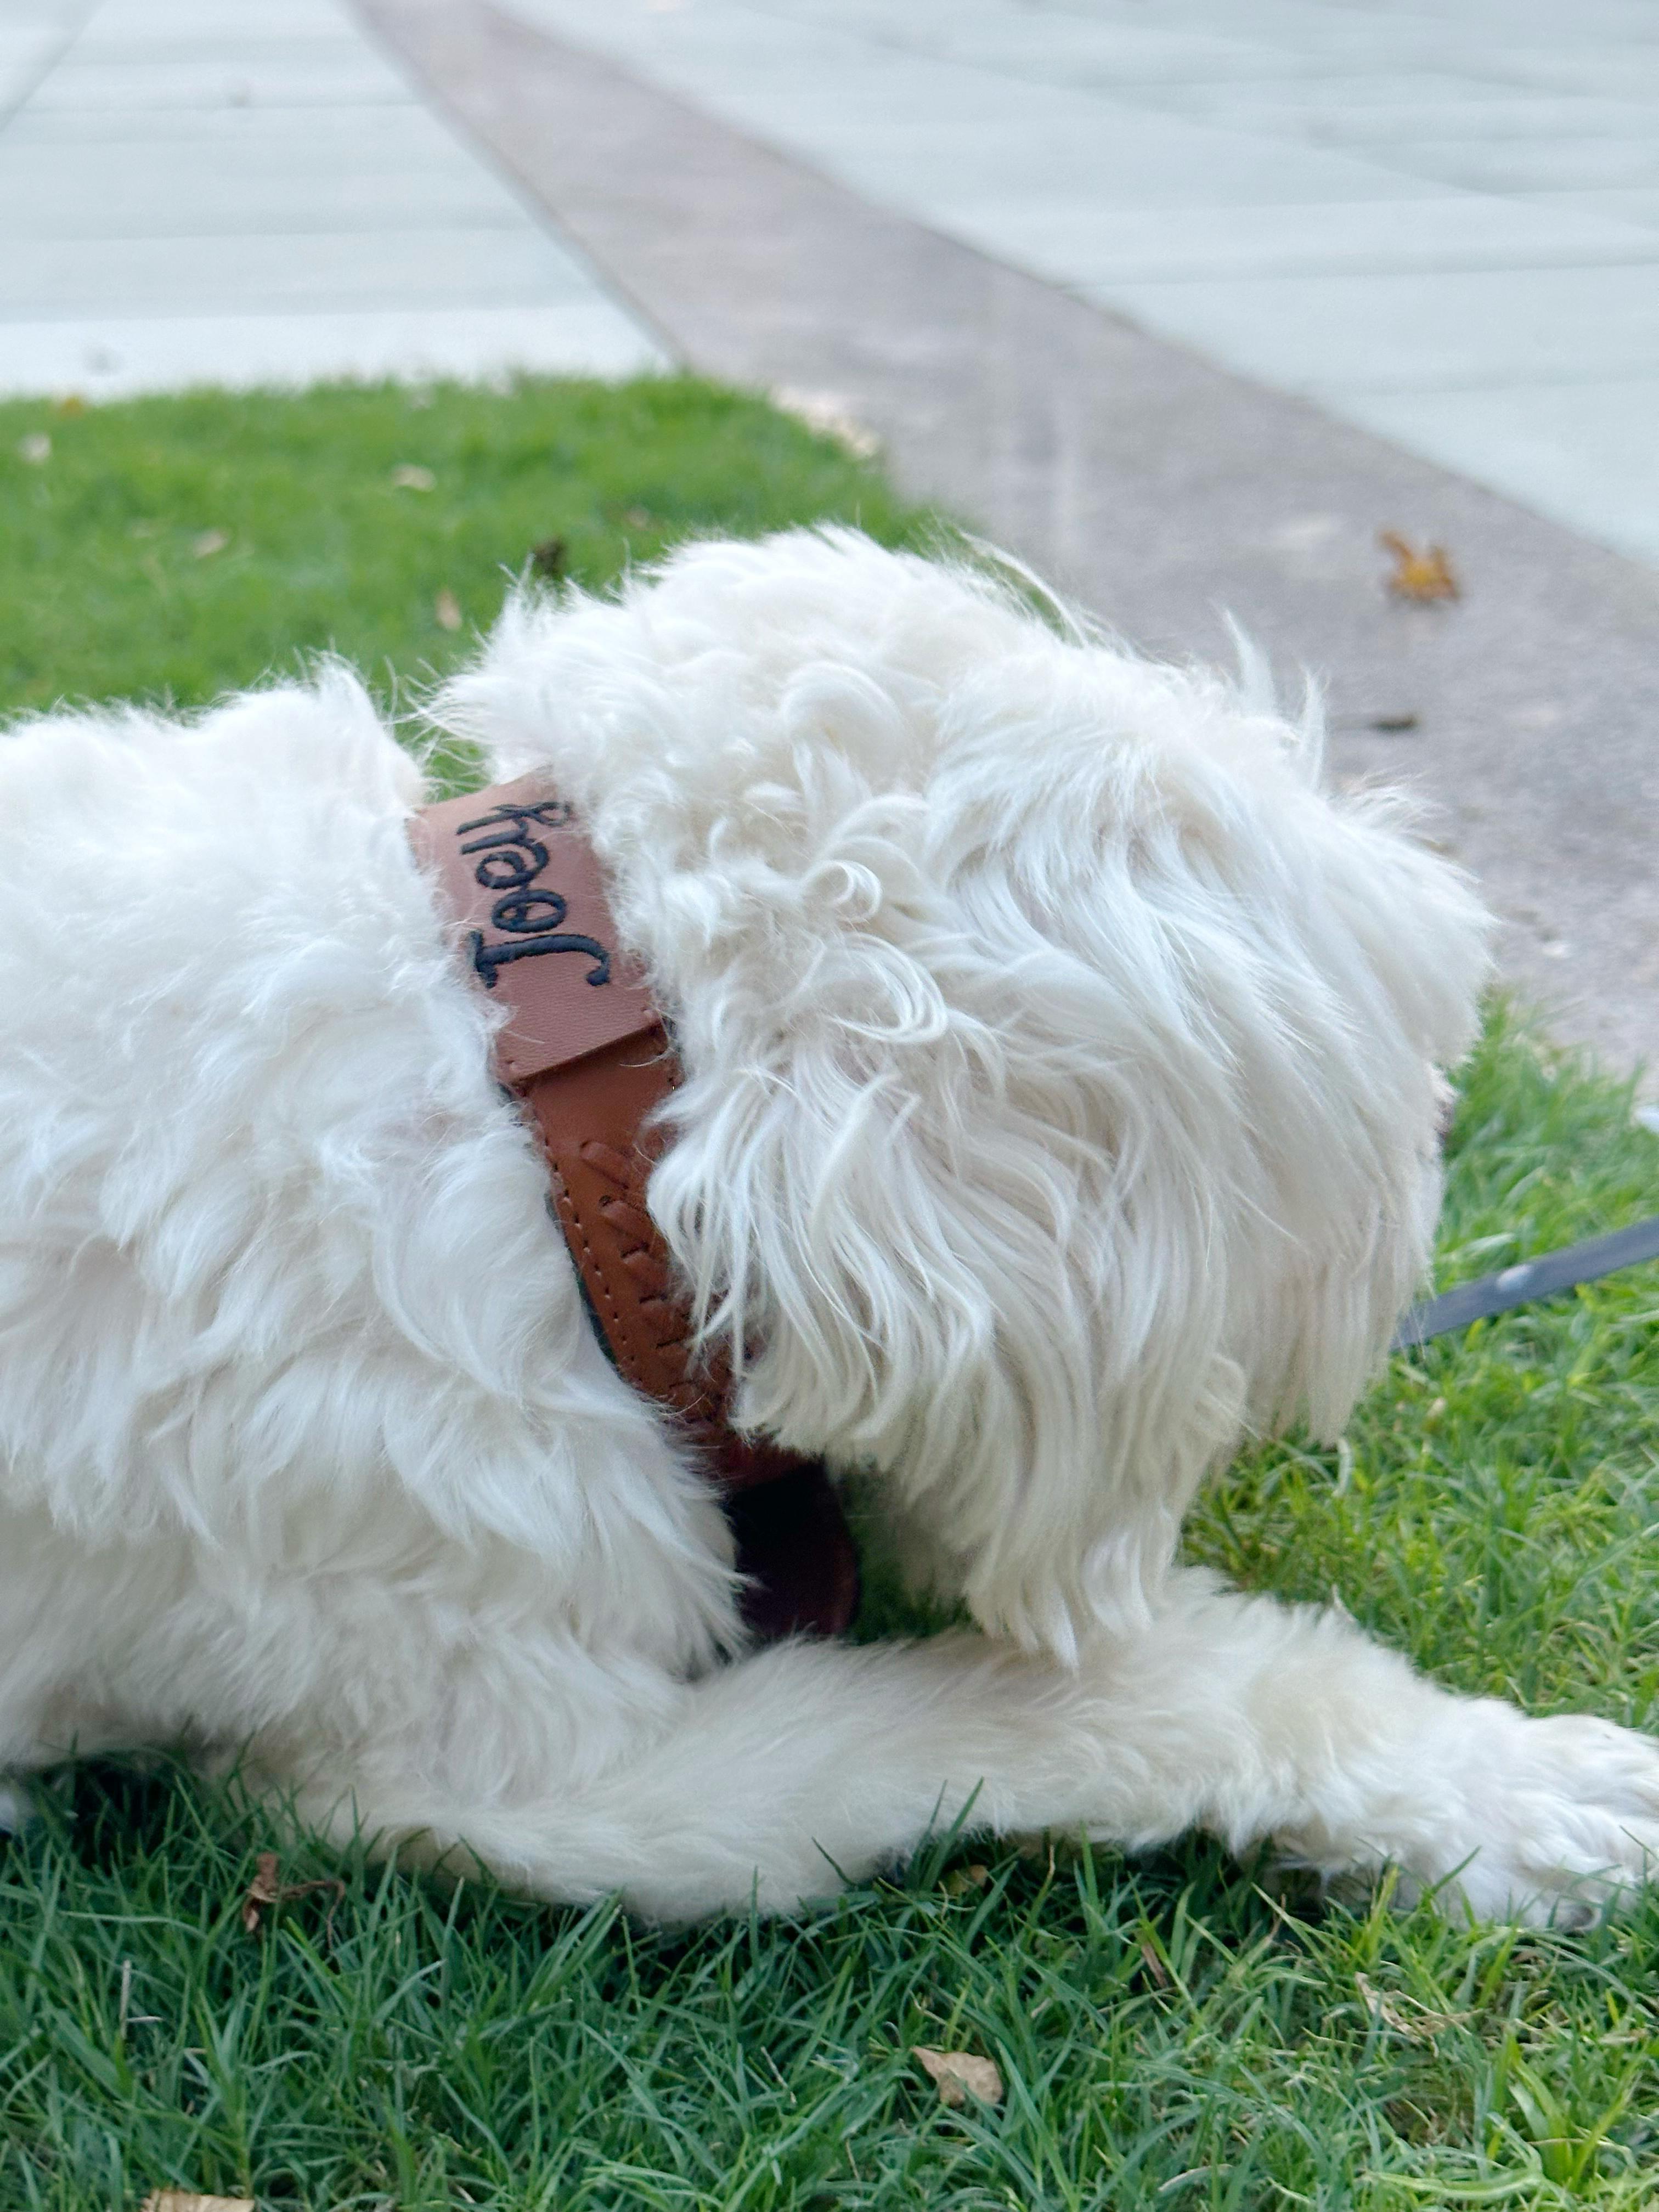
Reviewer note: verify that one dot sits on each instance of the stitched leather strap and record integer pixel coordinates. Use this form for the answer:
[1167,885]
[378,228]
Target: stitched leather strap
[599,1195]
[588,1054]
[587,1051]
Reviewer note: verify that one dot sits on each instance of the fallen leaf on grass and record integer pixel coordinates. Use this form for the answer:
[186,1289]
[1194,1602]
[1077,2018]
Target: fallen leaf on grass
[447,608]
[186,2200]
[265,1888]
[960,2075]
[830,416]
[71,404]
[548,558]
[268,1888]
[409,476]
[962,1879]
[34,449]
[209,543]
[1419,2025]
[1418,576]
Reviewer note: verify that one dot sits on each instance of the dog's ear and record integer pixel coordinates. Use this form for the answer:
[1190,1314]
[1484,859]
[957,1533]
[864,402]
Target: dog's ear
[1037,1195]
[894,1216]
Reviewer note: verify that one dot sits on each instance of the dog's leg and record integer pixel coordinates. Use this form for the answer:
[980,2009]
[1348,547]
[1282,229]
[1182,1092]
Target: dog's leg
[811,1763]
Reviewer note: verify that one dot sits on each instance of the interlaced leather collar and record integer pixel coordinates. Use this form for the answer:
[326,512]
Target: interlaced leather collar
[588,1056]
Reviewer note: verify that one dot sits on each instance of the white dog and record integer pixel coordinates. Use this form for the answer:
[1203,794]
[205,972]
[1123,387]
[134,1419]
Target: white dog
[1060,1108]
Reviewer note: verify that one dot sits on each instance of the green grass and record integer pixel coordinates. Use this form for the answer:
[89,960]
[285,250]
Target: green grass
[105,590]
[1182,2031]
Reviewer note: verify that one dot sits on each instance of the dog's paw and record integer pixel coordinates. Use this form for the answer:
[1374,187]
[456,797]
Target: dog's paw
[1550,1821]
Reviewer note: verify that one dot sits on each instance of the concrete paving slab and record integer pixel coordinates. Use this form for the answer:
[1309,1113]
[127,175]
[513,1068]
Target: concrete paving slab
[1422,331]
[1101,44]
[925,145]
[217,136]
[312,78]
[1622,71]
[112,356]
[153,30]
[28,42]
[248,191]
[1517,434]
[1366,35]
[1222,41]
[922,133]
[1388,103]
[1155,487]
[150,24]
[270,187]
[1492,165]
[41,279]
[1045,46]
[1042,132]
[1084,242]
[1640,205]
[122,33]
[1393,116]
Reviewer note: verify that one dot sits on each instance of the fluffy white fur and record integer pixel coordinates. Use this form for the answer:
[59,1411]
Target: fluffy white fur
[1060,1109]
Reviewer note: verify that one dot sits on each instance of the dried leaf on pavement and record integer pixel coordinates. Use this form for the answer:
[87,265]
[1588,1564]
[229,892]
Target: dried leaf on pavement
[1422,577]
[960,2075]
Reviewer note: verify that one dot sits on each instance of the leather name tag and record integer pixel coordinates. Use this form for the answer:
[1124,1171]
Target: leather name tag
[523,887]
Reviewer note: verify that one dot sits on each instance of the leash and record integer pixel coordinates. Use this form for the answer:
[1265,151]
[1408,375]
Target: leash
[1531,1278]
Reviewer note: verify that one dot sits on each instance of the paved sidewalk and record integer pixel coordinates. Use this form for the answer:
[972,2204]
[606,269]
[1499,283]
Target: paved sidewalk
[1438,218]
[246,190]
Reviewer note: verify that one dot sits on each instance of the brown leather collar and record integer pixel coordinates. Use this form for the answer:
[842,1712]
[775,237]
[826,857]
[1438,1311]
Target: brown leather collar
[586,1051]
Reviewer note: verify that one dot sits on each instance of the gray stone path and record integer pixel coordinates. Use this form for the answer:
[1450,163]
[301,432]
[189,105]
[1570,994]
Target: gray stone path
[1157,489]
[1439,218]
[248,190]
